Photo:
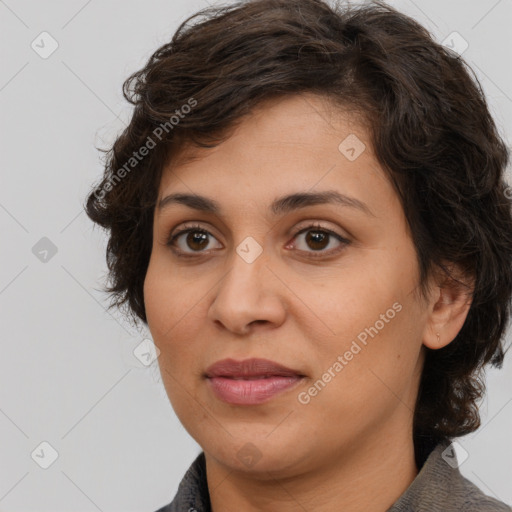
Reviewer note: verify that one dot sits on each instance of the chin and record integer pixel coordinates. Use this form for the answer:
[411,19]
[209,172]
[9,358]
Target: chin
[266,457]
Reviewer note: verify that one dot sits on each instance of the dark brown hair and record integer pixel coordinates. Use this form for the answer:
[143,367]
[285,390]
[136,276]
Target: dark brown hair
[430,128]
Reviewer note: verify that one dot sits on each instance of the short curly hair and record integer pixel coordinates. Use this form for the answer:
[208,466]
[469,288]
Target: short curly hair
[430,128]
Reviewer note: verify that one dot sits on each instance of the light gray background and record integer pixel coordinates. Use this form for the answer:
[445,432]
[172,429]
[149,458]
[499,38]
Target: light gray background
[68,374]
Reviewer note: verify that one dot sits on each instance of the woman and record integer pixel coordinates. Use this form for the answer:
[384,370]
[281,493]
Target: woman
[308,210]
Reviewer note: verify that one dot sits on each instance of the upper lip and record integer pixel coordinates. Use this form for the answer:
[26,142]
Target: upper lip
[254,367]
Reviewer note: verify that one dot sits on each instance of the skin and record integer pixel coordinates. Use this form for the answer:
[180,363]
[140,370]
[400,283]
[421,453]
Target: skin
[351,446]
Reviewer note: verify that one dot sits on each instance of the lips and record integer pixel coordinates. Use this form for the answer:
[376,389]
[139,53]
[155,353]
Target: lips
[250,369]
[250,382]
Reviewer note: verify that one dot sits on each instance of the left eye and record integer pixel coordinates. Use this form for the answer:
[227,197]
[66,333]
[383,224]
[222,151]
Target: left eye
[317,239]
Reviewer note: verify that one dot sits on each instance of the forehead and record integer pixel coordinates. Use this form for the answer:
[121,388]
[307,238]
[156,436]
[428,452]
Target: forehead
[282,120]
[299,142]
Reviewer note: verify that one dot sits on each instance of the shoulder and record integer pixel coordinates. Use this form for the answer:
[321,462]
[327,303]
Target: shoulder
[440,487]
[472,499]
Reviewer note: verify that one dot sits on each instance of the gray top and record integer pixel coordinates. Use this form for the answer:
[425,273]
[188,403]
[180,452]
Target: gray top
[438,487]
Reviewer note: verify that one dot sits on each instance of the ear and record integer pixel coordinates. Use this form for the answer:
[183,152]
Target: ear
[450,301]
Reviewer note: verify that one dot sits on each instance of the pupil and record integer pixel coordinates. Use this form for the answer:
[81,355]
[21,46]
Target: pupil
[194,236]
[315,238]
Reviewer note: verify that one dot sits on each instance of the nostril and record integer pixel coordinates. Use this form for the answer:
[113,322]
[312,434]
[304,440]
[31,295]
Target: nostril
[258,322]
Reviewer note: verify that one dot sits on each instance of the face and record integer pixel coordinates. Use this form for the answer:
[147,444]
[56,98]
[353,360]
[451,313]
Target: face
[324,287]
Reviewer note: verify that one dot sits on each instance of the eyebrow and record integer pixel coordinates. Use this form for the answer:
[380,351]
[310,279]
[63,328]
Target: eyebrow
[279,206]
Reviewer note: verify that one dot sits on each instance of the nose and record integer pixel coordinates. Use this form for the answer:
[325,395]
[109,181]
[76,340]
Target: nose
[248,297]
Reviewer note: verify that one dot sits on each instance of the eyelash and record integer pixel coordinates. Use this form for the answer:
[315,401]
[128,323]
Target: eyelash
[171,242]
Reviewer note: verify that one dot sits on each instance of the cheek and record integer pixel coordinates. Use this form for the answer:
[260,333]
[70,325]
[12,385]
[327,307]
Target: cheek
[166,298]
[370,319]
[156,300]
[173,322]
[175,315]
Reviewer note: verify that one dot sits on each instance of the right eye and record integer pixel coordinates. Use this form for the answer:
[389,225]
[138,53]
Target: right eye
[196,239]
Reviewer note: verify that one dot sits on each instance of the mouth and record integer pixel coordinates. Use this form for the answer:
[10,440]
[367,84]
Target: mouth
[250,382]
[250,369]
[252,391]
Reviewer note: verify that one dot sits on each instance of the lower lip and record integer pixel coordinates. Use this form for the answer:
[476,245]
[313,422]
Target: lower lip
[250,392]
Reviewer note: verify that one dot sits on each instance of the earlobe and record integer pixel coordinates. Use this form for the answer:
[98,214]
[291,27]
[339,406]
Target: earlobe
[448,312]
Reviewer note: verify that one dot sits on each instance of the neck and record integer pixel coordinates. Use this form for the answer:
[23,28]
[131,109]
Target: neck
[369,477]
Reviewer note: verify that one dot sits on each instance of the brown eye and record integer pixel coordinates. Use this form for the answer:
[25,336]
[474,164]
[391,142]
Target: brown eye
[317,239]
[195,241]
